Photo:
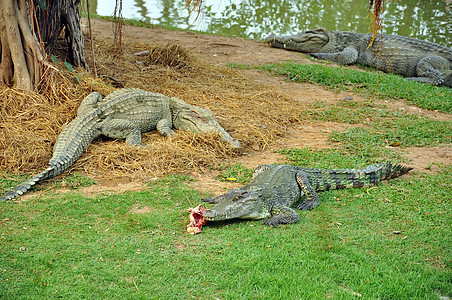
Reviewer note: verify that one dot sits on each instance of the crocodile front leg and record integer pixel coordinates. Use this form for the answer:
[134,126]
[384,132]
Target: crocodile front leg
[282,215]
[122,129]
[346,57]
[164,126]
[312,199]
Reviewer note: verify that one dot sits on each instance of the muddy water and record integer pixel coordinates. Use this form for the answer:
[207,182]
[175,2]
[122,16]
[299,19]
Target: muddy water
[424,19]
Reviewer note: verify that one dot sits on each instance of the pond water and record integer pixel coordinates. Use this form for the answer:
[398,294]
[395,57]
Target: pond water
[424,19]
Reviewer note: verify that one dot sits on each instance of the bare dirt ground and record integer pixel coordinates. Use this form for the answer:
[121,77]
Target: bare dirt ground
[222,50]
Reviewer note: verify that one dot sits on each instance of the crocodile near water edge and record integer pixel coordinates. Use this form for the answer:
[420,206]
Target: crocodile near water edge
[123,114]
[415,59]
[274,189]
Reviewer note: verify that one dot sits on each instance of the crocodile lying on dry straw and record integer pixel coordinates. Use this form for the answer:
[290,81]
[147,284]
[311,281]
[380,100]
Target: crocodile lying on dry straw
[275,189]
[415,59]
[123,114]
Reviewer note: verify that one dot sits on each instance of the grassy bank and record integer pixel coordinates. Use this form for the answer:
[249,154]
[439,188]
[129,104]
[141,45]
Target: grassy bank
[389,242]
[367,84]
[386,242]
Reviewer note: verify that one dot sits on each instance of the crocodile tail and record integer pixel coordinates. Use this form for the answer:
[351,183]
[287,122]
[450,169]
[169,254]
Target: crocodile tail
[329,179]
[26,185]
[374,174]
[389,170]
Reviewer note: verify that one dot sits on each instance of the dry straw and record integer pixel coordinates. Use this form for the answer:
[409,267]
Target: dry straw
[254,113]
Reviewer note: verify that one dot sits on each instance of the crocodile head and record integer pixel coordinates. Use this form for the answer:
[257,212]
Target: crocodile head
[310,41]
[237,203]
[198,120]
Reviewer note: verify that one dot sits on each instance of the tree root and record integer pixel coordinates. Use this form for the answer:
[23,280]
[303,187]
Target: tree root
[22,59]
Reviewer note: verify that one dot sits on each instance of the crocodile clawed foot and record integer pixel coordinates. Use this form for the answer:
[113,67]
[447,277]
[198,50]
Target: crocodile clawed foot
[308,205]
[289,216]
[272,222]
[170,134]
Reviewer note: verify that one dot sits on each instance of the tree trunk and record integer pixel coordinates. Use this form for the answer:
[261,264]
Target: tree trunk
[63,14]
[28,30]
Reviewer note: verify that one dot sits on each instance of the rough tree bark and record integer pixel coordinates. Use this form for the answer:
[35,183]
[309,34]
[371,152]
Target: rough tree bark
[28,30]
[63,14]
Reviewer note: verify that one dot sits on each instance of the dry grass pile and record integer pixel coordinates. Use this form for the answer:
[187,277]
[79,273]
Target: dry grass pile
[31,121]
[253,113]
[186,152]
[172,55]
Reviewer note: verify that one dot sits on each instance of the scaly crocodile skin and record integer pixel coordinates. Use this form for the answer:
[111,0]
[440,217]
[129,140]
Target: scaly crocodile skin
[123,114]
[415,59]
[275,189]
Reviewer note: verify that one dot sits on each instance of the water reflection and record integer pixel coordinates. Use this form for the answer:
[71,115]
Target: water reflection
[429,20]
[142,10]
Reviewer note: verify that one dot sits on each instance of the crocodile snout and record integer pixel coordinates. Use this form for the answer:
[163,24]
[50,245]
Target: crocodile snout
[209,215]
[225,137]
[270,38]
[234,143]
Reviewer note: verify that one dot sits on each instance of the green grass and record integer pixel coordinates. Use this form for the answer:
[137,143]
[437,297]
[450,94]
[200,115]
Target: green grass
[72,181]
[365,83]
[383,137]
[386,242]
[390,242]
[132,22]
[340,157]
[419,134]
[10,181]
[235,172]
[351,112]
[357,242]
[75,181]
